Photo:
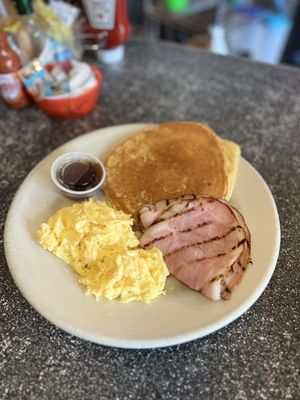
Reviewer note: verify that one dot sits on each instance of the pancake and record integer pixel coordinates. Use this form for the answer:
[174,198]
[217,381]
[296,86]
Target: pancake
[169,160]
[232,153]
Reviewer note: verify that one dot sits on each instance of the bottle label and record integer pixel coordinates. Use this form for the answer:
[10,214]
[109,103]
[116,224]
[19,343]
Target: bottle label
[11,89]
[100,13]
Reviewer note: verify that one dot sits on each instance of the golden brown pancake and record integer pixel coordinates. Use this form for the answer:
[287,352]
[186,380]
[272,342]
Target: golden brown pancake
[169,160]
[232,153]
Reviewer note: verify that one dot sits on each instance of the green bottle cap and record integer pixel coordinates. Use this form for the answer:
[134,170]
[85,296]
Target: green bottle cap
[24,7]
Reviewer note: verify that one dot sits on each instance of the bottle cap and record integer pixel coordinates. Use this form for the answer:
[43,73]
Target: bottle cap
[24,7]
[111,56]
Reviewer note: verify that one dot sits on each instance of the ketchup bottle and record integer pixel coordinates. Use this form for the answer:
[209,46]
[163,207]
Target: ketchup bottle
[109,16]
[11,88]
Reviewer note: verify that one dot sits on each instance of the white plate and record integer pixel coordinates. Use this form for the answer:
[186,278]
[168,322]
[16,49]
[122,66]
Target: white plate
[51,288]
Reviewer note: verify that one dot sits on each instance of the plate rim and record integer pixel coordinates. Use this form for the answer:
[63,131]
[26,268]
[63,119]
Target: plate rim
[142,343]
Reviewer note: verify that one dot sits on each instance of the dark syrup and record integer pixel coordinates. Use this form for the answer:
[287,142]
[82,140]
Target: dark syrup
[80,175]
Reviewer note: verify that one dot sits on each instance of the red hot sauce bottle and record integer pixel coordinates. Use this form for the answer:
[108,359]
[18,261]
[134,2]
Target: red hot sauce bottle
[11,88]
[109,16]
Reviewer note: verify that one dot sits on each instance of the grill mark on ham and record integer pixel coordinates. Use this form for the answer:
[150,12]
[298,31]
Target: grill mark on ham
[172,233]
[239,243]
[216,238]
[177,214]
[205,258]
[196,227]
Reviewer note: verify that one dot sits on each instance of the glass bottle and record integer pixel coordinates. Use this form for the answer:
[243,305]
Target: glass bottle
[11,88]
[31,36]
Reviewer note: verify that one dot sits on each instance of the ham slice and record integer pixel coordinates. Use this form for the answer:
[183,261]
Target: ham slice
[205,242]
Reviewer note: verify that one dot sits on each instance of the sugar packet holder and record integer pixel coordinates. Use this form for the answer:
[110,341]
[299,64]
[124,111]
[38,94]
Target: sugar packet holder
[58,80]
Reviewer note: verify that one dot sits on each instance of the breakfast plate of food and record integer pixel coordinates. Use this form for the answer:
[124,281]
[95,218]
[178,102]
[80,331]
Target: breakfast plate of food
[143,235]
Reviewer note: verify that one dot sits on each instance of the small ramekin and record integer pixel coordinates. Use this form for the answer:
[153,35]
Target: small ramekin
[76,156]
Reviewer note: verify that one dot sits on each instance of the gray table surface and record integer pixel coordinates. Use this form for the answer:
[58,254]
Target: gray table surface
[255,357]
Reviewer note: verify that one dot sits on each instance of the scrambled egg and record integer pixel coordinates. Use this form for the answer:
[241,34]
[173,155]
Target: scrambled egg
[97,241]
